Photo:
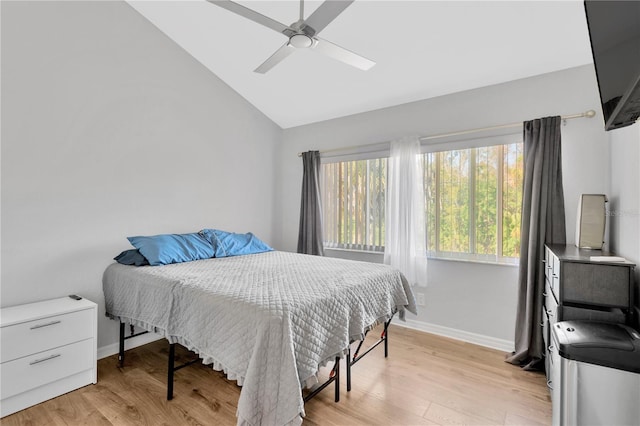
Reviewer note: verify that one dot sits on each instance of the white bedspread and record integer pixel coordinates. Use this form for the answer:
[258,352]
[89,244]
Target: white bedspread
[269,320]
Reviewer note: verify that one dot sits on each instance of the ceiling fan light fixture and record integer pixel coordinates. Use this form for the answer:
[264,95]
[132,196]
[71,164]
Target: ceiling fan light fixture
[300,41]
[302,34]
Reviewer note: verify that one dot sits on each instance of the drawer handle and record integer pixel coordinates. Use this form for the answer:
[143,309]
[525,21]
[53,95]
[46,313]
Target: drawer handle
[549,384]
[542,324]
[549,312]
[38,361]
[544,294]
[555,275]
[45,325]
[551,348]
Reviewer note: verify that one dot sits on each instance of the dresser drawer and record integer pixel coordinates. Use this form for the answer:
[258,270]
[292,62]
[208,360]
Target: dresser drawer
[546,332]
[598,284]
[551,306]
[552,270]
[36,370]
[548,263]
[554,278]
[31,337]
[612,315]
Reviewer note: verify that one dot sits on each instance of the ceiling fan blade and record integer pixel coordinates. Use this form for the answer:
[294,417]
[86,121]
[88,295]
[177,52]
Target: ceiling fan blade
[341,54]
[326,13]
[252,15]
[276,58]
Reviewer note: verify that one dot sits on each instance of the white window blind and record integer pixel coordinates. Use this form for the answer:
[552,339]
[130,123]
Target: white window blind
[353,200]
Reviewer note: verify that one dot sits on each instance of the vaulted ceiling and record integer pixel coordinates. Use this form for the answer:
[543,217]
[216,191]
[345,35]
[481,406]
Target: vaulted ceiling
[422,49]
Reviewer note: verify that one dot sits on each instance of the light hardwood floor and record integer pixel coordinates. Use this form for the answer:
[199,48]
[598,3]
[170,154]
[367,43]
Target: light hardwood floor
[426,380]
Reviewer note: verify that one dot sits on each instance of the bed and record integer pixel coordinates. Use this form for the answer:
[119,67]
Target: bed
[268,320]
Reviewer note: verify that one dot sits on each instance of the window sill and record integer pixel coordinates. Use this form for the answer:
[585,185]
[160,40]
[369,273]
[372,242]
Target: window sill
[380,255]
[484,262]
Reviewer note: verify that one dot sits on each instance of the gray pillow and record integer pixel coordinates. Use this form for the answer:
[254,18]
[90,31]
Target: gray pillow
[131,257]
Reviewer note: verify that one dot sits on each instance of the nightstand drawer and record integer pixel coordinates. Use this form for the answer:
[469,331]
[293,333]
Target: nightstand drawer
[30,337]
[32,371]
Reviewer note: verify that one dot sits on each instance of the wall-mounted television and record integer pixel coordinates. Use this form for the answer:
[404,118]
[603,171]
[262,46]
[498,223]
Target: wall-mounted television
[614,29]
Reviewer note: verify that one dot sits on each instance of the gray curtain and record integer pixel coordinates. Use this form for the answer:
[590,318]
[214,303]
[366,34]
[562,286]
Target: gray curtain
[310,231]
[543,222]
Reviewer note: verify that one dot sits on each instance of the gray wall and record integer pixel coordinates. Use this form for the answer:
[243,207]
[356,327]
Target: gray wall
[474,298]
[624,196]
[110,129]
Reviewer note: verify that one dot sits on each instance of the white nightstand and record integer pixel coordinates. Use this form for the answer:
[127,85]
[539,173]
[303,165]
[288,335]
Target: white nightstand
[48,349]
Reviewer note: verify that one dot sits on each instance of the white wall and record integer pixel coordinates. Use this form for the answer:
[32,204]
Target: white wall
[624,196]
[472,298]
[110,129]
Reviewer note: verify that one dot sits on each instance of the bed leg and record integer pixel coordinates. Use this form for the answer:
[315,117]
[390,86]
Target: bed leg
[121,346]
[386,338]
[337,376]
[348,369]
[170,370]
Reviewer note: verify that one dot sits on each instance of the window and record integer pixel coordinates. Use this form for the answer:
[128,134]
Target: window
[353,202]
[472,201]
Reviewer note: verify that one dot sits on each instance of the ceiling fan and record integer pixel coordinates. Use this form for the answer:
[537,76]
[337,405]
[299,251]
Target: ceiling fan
[302,34]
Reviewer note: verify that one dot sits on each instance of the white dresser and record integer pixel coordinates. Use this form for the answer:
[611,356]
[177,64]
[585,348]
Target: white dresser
[48,349]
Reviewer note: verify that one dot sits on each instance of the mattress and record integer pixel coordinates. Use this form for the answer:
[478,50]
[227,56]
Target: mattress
[268,320]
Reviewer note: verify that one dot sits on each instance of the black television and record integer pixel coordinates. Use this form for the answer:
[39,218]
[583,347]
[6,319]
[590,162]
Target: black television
[614,30]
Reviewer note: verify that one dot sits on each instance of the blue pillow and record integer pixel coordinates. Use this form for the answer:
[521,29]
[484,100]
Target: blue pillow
[173,248]
[230,244]
[131,257]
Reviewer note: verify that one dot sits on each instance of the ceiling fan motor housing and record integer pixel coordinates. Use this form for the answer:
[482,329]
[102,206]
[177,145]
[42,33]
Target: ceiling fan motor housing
[300,41]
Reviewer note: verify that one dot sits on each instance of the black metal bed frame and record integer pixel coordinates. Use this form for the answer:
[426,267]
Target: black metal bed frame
[334,375]
[384,337]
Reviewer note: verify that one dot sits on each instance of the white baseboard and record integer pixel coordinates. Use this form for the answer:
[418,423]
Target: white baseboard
[134,342]
[465,336]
